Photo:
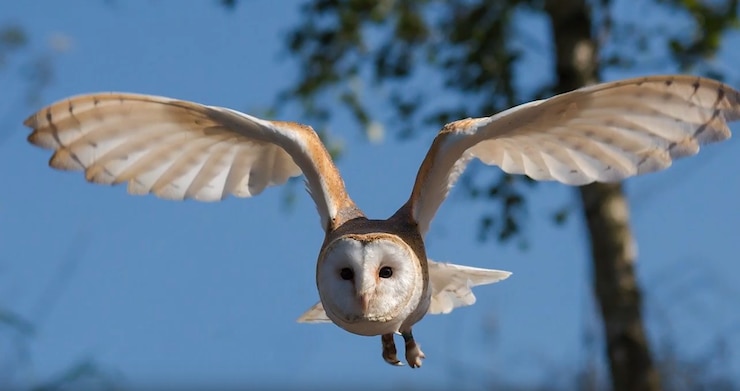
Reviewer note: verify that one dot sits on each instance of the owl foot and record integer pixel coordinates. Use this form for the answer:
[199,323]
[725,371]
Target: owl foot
[414,355]
[389,350]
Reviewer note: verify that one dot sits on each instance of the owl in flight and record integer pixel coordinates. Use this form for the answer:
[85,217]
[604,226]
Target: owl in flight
[373,276]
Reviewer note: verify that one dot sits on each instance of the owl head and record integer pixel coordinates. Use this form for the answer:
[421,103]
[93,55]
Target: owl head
[369,283]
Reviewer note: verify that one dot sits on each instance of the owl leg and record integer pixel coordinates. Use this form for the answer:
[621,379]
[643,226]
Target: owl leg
[414,355]
[389,350]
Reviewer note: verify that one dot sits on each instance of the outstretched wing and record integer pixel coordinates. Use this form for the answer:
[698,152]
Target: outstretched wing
[605,132]
[451,288]
[452,284]
[180,150]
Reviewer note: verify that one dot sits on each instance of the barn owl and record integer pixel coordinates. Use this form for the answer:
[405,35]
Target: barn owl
[373,276]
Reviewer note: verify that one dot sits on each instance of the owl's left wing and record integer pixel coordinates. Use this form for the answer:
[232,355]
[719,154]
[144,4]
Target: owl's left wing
[451,287]
[184,150]
[452,284]
[605,132]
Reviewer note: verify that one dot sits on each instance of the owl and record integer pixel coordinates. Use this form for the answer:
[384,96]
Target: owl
[373,275]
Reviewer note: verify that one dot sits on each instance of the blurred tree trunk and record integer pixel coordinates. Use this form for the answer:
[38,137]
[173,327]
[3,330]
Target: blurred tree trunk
[606,213]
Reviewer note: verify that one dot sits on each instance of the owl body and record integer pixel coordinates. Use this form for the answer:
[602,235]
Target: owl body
[373,276]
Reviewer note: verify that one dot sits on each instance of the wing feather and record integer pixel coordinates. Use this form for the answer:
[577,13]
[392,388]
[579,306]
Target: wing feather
[452,284]
[183,150]
[605,132]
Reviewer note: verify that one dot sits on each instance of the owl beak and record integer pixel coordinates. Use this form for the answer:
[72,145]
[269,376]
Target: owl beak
[365,302]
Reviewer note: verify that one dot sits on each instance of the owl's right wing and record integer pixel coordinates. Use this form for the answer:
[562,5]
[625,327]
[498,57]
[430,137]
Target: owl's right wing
[183,150]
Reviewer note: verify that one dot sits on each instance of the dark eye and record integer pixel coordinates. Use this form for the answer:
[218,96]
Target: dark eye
[385,272]
[346,274]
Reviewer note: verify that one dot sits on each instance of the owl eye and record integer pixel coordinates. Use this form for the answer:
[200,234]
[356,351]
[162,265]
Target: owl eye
[385,272]
[346,274]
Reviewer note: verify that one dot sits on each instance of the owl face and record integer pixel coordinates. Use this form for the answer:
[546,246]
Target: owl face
[369,284]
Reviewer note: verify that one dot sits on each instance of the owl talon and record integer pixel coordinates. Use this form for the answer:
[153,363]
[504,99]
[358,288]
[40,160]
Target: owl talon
[389,350]
[394,361]
[414,355]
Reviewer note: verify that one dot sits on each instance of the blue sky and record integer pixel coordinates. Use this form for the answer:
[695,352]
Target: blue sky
[197,293]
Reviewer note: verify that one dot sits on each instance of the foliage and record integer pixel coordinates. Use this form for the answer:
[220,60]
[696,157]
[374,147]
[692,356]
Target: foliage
[711,20]
[432,61]
[12,38]
[435,61]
